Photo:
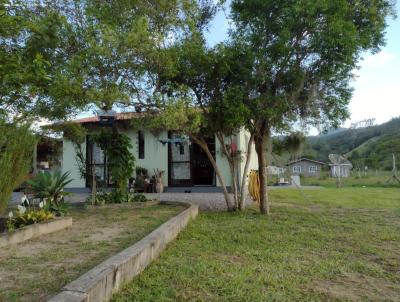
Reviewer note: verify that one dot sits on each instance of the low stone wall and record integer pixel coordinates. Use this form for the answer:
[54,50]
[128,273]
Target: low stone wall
[101,282]
[34,230]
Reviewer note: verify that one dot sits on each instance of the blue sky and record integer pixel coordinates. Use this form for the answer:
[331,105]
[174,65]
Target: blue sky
[377,82]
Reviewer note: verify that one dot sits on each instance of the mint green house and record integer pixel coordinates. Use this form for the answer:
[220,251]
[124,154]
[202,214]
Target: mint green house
[185,164]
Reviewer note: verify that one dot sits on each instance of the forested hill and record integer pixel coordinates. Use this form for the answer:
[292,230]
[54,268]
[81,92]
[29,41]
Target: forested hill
[370,146]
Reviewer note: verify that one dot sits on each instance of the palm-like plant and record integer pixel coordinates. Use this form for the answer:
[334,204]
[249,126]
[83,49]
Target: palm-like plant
[50,186]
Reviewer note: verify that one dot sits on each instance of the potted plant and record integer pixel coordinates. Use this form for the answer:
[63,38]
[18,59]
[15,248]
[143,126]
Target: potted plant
[158,175]
[141,176]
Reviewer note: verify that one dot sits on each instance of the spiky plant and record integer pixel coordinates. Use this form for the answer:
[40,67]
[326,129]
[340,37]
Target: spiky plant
[50,186]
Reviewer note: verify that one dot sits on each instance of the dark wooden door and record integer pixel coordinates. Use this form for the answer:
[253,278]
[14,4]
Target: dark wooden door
[179,163]
[202,169]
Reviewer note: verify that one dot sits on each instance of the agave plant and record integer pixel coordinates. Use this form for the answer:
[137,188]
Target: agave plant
[50,186]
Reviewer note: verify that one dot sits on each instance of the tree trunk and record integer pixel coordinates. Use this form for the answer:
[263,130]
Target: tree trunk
[94,187]
[262,170]
[204,146]
[234,183]
[245,172]
[232,168]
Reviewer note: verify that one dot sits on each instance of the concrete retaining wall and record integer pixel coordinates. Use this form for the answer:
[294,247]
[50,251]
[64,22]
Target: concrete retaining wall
[34,230]
[101,282]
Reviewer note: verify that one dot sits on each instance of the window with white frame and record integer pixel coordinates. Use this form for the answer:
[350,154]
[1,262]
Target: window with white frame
[296,169]
[312,169]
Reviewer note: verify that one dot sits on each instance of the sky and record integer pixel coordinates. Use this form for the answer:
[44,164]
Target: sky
[377,81]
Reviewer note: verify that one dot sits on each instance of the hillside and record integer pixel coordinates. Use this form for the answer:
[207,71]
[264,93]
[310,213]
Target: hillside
[371,146]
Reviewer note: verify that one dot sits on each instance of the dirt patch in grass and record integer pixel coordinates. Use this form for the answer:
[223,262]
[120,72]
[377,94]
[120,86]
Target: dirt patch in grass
[37,269]
[357,287]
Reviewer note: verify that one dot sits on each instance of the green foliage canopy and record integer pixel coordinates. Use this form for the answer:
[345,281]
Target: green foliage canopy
[300,55]
[16,149]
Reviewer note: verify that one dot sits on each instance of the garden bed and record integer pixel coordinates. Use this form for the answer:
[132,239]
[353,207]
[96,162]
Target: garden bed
[128,205]
[37,269]
[102,281]
[34,230]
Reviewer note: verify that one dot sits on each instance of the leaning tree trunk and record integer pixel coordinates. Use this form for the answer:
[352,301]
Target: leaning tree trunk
[234,182]
[262,170]
[245,172]
[205,148]
[232,168]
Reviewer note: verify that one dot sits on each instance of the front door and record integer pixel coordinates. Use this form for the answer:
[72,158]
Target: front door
[203,171]
[188,164]
[97,159]
[179,165]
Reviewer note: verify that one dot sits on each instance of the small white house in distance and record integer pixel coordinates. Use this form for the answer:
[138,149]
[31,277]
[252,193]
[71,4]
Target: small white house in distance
[342,169]
[185,164]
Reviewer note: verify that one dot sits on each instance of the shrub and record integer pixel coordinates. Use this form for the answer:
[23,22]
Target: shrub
[139,197]
[116,196]
[16,149]
[50,187]
[24,218]
[60,209]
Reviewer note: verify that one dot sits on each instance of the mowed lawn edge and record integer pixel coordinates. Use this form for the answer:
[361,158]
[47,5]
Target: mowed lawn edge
[312,248]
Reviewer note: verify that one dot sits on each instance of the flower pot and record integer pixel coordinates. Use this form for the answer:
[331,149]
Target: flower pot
[159,187]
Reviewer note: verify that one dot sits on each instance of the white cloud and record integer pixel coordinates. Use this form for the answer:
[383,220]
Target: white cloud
[378,60]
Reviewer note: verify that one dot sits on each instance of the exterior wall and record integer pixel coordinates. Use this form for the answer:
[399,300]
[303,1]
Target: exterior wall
[243,138]
[156,157]
[70,165]
[223,165]
[155,153]
[305,165]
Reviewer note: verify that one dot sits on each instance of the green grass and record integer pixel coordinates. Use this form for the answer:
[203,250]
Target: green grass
[370,180]
[37,269]
[333,245]
[369,198]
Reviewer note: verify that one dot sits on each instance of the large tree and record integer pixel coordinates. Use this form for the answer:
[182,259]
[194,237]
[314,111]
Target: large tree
[206,75]
[30,43]
[59,57]
[298,58]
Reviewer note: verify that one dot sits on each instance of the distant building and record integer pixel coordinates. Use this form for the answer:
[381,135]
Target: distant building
[275,170]
[342,170]
[306,167]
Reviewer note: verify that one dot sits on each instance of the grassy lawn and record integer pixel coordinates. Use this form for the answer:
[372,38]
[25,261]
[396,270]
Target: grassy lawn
[39,268]
[371,180]
[319,245]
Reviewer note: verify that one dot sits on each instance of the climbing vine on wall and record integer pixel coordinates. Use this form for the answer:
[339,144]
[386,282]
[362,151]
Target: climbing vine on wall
[120,160]
[117,146]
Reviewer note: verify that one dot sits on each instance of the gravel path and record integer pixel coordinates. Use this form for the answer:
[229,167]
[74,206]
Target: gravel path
[205,201]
